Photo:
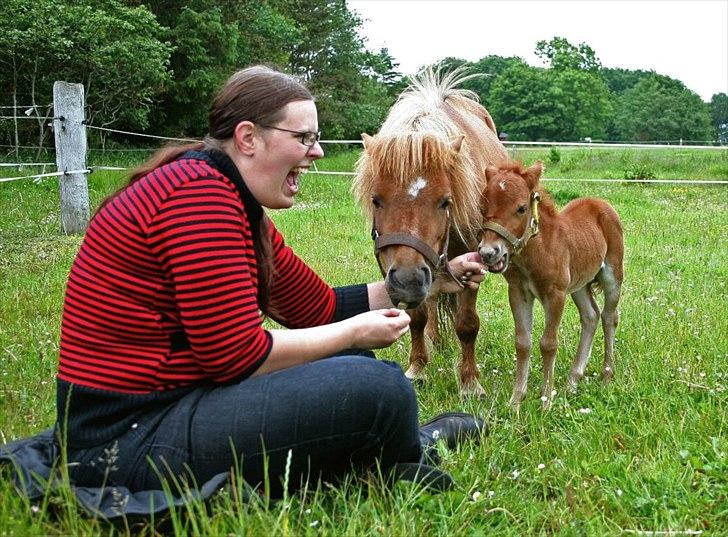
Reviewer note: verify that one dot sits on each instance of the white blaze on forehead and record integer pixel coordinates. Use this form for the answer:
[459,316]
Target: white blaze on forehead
[502,184]
[415,187]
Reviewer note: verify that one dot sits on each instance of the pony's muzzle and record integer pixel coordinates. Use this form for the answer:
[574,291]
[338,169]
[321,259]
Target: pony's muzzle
[409,285]
[494,255]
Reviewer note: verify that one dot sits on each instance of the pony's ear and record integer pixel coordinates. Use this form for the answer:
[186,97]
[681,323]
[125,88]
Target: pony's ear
[457,143]
[533,174]
[365,139]
[490,172]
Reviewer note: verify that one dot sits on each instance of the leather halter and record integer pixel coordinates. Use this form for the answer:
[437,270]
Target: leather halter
[438,263]
[531,229]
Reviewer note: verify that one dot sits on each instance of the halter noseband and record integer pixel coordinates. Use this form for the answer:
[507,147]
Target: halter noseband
[531,229]
[438,263]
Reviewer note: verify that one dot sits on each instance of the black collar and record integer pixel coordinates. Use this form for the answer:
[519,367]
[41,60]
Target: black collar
[224,164]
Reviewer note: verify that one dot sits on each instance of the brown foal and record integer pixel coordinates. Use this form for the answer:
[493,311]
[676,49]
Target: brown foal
[546,254]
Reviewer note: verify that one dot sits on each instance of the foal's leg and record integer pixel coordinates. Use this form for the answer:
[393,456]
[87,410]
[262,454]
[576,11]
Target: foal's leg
[589,315]
[553,306]
[418,354]
[467,324]
[521,302]
[610,318]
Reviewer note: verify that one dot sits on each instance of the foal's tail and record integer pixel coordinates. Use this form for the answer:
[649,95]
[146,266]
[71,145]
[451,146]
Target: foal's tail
[594,287]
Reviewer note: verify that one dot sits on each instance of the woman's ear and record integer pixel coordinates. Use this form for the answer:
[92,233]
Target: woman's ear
[244,137]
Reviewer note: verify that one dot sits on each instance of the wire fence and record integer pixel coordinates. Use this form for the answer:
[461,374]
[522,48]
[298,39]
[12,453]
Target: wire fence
[513,145]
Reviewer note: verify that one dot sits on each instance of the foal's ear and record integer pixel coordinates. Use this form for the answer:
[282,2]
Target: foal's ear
[457,143]
[533,174]
[490,172]
[365,139]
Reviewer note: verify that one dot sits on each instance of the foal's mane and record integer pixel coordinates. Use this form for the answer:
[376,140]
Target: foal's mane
[417,137]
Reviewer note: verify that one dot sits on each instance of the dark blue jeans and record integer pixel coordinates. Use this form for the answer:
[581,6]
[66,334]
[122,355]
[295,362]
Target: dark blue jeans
[322,419]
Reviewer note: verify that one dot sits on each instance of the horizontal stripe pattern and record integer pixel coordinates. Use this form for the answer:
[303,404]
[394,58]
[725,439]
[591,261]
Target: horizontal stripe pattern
[174,253]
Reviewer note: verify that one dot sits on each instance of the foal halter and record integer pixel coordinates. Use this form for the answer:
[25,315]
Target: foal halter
[438,263]
[531,229]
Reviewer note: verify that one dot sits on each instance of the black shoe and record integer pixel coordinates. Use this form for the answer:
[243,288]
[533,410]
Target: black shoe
[431,478]
[452,428]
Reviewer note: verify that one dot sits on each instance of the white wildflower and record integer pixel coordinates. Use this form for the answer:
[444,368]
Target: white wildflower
[541,466]
[476,495]
[585,411]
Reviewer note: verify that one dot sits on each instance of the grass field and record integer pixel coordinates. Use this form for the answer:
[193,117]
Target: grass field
[647,453]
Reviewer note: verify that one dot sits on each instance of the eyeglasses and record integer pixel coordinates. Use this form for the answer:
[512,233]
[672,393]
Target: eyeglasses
[307,138]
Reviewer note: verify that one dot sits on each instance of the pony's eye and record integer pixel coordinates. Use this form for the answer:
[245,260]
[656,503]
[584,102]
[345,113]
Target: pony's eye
[444,204]
[376,202]
[521,209]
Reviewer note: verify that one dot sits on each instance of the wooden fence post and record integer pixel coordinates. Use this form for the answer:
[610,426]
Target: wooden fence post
[70,136]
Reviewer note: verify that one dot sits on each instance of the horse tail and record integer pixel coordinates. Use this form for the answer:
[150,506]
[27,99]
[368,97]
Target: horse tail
[446,307]
[594,287]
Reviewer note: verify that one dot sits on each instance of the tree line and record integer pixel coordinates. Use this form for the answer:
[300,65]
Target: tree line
[154,66]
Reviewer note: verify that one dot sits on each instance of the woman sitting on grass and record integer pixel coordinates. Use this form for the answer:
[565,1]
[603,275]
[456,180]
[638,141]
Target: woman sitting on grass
[165,368]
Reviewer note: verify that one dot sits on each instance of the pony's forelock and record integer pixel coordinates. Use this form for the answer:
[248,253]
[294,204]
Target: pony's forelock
[418,134]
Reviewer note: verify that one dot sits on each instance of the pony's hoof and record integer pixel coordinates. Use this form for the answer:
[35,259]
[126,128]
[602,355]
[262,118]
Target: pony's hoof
[472,390]
[415,375]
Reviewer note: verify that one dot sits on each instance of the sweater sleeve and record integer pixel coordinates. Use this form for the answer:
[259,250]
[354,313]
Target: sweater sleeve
[299,296]
[203,240]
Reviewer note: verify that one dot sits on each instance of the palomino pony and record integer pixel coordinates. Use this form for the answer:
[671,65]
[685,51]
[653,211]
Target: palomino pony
[548,257]
[419,180]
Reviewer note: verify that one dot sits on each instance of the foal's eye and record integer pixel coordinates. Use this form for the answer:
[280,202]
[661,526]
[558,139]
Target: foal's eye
[521,209]
[445,203]
[376,202]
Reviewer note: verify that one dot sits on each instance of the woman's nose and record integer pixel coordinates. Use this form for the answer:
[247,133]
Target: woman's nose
[316,151]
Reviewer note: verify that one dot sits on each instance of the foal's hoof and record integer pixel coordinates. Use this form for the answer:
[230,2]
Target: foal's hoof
[607,375]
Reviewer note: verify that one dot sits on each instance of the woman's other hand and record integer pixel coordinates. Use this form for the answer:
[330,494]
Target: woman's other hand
[467,269]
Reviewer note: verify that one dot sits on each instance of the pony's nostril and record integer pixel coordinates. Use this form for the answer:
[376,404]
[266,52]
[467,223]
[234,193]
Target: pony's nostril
[391,276]
[427,273]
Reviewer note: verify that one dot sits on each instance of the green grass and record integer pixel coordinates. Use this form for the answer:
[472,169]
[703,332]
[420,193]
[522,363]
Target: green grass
[651,452]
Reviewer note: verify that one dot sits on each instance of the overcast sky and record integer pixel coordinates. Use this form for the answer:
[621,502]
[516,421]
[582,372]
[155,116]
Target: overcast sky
[684,39]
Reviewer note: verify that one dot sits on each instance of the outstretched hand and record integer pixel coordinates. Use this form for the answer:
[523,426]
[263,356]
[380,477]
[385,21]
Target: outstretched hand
[378,328]
[467,268]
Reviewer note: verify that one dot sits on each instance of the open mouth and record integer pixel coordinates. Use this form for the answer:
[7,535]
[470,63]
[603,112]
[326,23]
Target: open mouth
[499,266]
[292,179]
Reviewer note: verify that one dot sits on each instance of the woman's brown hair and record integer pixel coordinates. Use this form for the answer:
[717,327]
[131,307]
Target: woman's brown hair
[257,94]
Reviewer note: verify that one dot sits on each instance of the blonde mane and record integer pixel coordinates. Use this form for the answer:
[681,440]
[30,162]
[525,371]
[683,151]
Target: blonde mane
[417,138]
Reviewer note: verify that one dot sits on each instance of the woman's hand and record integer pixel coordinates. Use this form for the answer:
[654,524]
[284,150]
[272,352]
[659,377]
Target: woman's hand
[468,270]
[377,329]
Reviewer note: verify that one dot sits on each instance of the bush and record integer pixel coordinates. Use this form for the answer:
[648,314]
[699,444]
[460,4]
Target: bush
[639,172]
[554,155]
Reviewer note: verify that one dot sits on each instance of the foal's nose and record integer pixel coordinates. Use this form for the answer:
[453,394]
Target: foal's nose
[490,254]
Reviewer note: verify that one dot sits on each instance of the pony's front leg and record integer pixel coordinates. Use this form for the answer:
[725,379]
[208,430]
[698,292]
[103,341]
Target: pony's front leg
[553,306]
[521,302]
[467,324]
[418,353]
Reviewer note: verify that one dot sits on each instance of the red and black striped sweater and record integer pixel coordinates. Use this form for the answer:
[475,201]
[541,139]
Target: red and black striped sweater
[162,296]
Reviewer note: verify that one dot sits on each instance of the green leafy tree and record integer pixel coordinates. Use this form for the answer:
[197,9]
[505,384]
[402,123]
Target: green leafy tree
[520,103]
[349,82]
[111,48]
[719,113]
[661,108]
[559,54]
[620,80]
[582,104]
[211,40]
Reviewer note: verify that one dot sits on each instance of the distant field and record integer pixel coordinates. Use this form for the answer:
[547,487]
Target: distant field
[647,453]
